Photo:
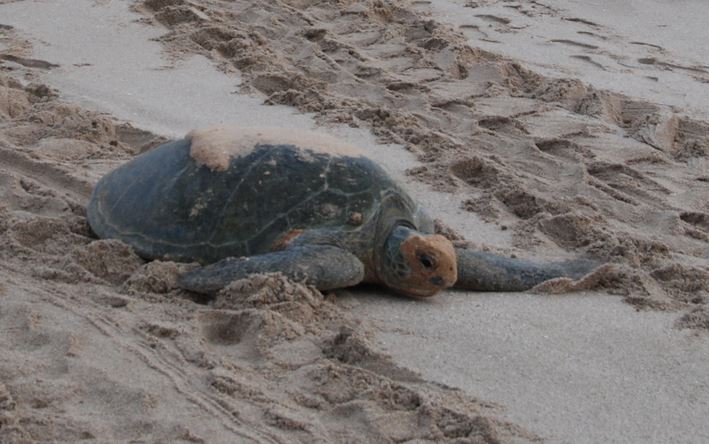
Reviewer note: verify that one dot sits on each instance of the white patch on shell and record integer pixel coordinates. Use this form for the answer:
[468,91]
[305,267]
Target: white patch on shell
[215,147]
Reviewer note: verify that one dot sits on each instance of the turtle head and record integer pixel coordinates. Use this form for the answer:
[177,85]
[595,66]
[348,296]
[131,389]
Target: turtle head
[417,264]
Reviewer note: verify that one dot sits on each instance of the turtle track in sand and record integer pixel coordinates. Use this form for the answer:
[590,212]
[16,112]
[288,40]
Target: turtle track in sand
[525,151]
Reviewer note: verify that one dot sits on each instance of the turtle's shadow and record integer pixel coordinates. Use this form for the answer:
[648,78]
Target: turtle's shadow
[371,292]
[198,298]
[362,293]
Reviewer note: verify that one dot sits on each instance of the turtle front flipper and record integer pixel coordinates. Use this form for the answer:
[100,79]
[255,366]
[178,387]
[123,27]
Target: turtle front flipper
[322,266]
[482,271]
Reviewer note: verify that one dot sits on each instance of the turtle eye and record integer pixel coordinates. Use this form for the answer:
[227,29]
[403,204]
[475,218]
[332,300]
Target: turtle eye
[426,260]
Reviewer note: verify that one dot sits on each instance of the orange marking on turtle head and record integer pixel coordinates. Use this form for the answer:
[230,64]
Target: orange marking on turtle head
[433,264]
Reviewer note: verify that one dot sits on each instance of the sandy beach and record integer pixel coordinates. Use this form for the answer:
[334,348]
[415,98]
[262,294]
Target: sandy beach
[539,129]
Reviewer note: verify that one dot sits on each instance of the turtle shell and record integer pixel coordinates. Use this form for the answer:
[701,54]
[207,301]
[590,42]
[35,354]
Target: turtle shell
[166,203]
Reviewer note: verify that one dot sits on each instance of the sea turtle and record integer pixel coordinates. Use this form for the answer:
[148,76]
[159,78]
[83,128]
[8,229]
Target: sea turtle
[245,201]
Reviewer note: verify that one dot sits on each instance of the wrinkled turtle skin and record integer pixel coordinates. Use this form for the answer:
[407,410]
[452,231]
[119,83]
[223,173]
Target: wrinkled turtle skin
[333,218]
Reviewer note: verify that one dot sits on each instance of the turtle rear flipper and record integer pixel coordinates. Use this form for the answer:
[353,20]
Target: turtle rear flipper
[322,266]
[482,271]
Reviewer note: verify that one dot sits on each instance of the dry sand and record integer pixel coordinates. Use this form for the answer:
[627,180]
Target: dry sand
[649,49]
[100,344]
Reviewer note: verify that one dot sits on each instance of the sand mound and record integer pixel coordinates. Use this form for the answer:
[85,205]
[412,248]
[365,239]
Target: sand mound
[108,259]
[697,318]
[13,103]
[156,277]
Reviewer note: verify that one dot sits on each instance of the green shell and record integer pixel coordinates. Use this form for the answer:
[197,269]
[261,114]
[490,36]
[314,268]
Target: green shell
[166,205]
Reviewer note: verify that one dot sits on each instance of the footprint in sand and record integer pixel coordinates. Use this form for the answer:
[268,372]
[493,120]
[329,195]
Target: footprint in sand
[564,149]
[27,62]
[574,43]
[626,184]
[592,34]
[582,21]
[247,332]
[494,19]
[660,48]
[475,29]
[500,24]
[589,60]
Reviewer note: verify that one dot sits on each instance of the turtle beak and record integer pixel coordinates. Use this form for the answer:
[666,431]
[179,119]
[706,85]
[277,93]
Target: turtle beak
[421,292]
